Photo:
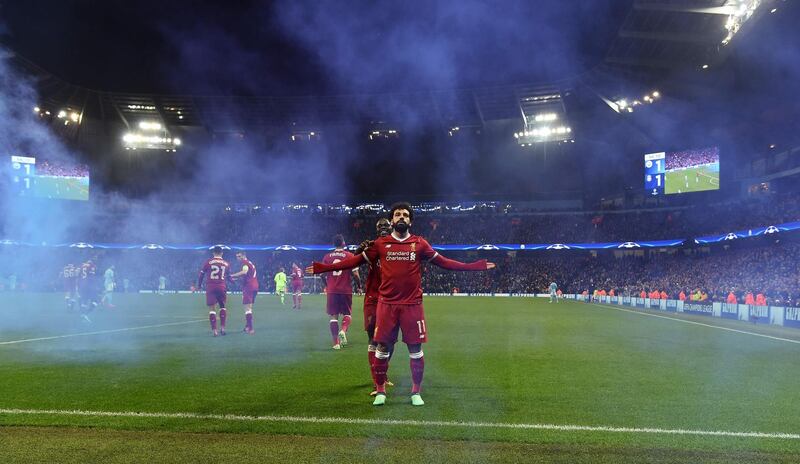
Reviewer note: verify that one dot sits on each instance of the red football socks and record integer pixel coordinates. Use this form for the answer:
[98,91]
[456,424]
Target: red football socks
[335,331]
[371,358]
[379,371]
[248,321]
[417,369]
[223,314]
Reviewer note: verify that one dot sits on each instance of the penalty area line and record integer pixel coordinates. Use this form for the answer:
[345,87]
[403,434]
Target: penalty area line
[402,422]
[727,329]
[100,332]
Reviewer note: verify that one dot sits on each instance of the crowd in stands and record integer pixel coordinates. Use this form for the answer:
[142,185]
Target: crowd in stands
[771,270]
[758,266]
[278,228]
[690,158]
[47,168]
[767,268]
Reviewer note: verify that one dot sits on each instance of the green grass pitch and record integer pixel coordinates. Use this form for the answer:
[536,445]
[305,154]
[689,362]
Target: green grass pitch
[491,363]
[698,179]
[65,188]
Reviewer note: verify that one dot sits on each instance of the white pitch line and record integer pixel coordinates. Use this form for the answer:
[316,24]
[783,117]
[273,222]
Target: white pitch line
[154,316]
[401,422]
[728,329]
[100,332]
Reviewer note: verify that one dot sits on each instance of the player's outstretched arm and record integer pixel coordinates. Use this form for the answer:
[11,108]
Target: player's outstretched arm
[453,265]
[345,264]
[362,247]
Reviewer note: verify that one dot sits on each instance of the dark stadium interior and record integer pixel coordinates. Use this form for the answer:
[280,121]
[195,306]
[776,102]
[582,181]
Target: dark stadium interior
[312,108]
[521,132]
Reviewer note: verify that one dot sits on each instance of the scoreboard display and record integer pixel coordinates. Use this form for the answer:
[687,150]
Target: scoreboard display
[40,178]
[654,170]
[693,170]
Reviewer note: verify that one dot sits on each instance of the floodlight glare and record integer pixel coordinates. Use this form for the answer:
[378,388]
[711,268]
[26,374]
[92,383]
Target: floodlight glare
[149,125]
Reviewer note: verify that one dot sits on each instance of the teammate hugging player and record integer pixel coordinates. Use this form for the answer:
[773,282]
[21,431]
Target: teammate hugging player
[339,291]
[399,256]
[383,228]
[249,289]
[216,288]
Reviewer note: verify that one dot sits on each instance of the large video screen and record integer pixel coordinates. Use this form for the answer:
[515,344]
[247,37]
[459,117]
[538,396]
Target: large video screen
[41,178]
[694,170]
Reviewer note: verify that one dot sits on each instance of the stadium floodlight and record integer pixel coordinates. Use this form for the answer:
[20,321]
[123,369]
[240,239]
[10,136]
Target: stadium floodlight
[545,117]
[150,126]
[383,133]
[36,109]
[622,104]
[656,94]
[743,10]
[62,114]
[133,141]
[705,66]
[74,116]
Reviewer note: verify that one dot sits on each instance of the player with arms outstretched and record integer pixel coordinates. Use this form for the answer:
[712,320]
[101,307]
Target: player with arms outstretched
[297,286]
[249,289]
[280,284]
[216,288]
[400,255]
[339,292]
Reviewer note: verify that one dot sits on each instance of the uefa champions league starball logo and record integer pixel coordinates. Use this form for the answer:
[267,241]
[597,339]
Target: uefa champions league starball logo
[630,245]
[286,248]
[558,246]
[488,247]
[731,236]
[772,230]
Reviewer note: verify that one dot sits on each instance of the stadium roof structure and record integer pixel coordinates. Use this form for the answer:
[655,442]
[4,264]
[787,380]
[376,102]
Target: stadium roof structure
[668,34]
[656,35]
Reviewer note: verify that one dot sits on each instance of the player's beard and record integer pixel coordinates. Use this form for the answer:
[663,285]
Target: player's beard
[401,227]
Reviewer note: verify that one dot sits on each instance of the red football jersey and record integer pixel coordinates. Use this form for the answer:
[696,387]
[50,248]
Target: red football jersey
[250,280]
[340,282]
[217,271]
[373,284]
[297,275]
[88,270]
[401,267]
